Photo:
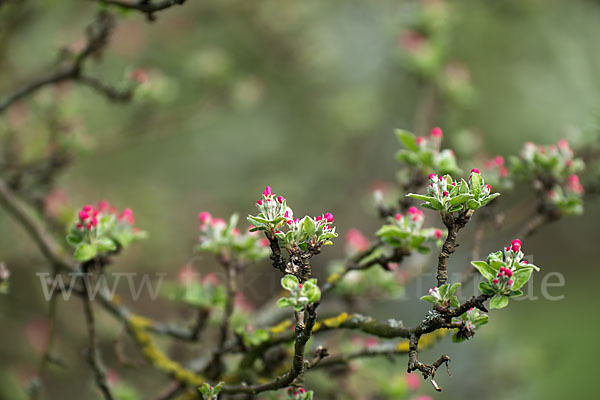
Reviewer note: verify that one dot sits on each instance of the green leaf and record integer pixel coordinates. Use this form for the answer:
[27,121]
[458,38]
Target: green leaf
[473,204]
[74,239]
[85,252]
[476,184]
[309,226]
[484,269]
[392,231]
[520,277]
[454,301]
[289,282]
[105,245]
[498,301]
[431,206]
[457,339]
[443,290]
[460,199]
[515,293]
[486,288]
[312,290]
[420,197]
[489,198]
[453,289]
[408,139]
[481,320]
[285,302]
[429,298]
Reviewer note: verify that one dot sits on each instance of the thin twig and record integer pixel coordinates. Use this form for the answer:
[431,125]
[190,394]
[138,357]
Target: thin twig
[93,356]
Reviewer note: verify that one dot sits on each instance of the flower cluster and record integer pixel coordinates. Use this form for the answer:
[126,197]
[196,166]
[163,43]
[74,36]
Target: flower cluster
[446,195]
[277,220]
[224,239]
[195,291]
[209,392]
[252,337]
[425,48]
[472,320]
[406,232]
[443,296]
[101,230]
[299,394]
[424,154]
[497,174]
[555,168]
[568,200]
[505,272]
[553,161]
[301,294]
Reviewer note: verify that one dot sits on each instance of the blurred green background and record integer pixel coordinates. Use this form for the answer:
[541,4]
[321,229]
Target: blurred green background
[304,96]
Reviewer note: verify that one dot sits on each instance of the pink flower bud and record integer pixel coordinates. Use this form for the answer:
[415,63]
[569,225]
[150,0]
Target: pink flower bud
[499,160]
[475,170]
[94,221]
[287,214]
[218,222]
[413,210]
[268,191]
[79,226]
[90,226]
[510,282]
[488,187]
[495,281]
[296,220]
[436,132]
[398,217]
[87,208]
[516,245]
[563,144]
[437,233]
[260,202]
[524,262]
[413,381]
[446,194]
[302,390]
[299,286]
[264,242]
[356,240]
[328,217]
[83,215]
[280,199]
[289,222]
[508,272]
[420,140]
[204,217]
[103,205]
[503,172]
[432,176]
[139,75]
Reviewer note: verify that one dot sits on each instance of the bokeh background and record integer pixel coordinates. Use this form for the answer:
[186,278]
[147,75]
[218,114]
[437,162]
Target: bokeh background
[304,96]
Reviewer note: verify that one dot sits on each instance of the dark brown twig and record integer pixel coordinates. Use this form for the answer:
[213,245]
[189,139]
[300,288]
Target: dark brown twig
[147,7]
[93,356]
